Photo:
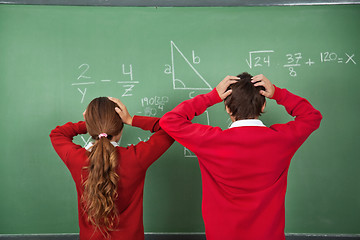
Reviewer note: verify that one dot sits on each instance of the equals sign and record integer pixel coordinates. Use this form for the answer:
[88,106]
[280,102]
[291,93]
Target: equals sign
[340,60]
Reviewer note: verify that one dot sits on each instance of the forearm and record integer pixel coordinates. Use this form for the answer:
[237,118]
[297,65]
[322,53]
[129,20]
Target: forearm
[68,130]
[298,107]
[146,123]
[177,123]
[61,137]
[183,114]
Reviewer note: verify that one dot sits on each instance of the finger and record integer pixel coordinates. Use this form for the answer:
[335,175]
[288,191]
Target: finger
[259,83]
[121,105]
[118,102]
[118,110]
[227,78]
[121,113]
[256,78]
[229,82]
[224,86]
[264,93]
[233,78]
[226,94]
[114,100]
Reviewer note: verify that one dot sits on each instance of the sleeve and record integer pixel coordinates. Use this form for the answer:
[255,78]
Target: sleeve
[177,123]
[149,151]
[307,118]
[62,136]
[146,123]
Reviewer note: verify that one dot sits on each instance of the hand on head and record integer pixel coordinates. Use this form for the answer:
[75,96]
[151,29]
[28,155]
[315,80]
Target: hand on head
[122,111]
[261,80]
[222,87]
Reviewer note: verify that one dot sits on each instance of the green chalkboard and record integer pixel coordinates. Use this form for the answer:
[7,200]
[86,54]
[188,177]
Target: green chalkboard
[54,60]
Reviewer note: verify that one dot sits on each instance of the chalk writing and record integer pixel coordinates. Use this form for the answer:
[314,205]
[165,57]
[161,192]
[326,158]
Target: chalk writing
[188,153]
[185,84]
[155,101]
[196,59]
[333,57]
[82,94]
[86,67]
[259,58]
[350,58]
[295,60]
[127,85]
[85,141]
[144,139]
[151,105]
[128,89]
[309,62]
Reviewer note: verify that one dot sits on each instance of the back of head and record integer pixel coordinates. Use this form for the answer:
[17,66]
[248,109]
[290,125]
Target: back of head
[245,101]
[100,187]
[100,117]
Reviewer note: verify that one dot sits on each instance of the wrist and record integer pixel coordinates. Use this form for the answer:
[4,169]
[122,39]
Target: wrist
[130,121]
[275,93]
[215,96]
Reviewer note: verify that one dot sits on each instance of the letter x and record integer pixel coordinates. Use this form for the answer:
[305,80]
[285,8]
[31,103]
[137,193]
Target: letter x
[350,58]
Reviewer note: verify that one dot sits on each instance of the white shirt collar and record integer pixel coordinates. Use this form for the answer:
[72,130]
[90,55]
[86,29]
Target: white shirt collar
[247,123]
[91,144]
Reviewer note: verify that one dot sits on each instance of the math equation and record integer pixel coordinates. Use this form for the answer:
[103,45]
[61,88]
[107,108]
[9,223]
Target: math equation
[127,82]
[293,61]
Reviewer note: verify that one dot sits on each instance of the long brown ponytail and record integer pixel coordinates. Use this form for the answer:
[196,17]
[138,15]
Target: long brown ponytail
[100,187]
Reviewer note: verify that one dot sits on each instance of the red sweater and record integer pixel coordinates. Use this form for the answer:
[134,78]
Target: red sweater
[133,163]
[244,169]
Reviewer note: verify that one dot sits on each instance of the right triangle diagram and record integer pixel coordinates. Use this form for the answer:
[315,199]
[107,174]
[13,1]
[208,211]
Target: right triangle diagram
[184,74]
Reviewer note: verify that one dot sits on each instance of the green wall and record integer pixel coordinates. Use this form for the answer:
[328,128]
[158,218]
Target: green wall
[55,60]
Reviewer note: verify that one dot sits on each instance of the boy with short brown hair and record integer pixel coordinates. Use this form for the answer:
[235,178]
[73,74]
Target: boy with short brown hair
[244,168]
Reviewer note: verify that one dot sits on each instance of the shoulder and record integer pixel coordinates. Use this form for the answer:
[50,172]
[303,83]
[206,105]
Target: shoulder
[77,159]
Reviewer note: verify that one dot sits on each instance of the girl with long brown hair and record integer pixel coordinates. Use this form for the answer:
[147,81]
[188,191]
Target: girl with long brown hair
[109,179]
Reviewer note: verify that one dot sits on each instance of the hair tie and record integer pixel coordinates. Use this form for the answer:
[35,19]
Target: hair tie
[102,135]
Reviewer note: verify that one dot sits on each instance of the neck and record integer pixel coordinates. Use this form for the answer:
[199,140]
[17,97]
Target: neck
[234,120]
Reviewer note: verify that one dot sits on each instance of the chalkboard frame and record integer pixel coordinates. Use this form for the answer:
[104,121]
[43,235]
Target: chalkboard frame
[179,3]
[110,8]
[175,236]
